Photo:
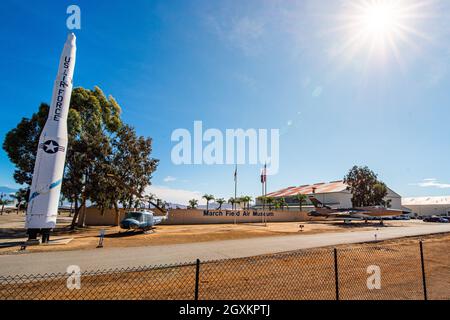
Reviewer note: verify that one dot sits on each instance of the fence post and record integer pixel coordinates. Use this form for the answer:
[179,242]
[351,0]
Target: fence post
[336,273]
[197,278]
[424,281]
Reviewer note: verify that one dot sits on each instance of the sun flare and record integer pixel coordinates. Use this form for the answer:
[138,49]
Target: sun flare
[380,18]
[379,27]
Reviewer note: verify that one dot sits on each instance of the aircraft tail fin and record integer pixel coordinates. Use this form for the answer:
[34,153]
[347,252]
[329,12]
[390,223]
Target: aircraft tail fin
[315,202]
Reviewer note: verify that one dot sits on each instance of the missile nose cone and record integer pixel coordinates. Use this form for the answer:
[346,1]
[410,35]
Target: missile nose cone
[71,39]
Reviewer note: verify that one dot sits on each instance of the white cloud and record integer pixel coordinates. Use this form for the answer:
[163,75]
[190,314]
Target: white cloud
[242,32]
[246,80]
[432,183]
[178,196]
[245,32]
[169,179]
[317,92]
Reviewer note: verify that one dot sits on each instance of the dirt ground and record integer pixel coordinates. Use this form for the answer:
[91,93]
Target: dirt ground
[301,275]
[12,234]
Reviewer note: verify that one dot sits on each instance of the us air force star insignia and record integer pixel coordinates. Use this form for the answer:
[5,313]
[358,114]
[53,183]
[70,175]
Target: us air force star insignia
[51,147]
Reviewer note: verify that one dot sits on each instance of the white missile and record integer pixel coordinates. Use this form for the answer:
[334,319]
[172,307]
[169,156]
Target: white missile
[51,154]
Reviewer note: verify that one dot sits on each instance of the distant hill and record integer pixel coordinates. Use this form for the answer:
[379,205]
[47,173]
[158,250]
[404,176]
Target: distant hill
[214,206]
[7,190]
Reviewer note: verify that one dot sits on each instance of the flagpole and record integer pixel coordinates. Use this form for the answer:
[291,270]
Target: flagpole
[235,187]
[235,192]
[265,189]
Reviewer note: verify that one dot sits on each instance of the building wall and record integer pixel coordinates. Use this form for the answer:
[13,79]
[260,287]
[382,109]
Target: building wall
[340,200]
[430,210]
[187,216]
[336,199]
[94,217]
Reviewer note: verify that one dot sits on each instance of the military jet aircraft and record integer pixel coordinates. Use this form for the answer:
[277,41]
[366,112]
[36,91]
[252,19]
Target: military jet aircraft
[322,210]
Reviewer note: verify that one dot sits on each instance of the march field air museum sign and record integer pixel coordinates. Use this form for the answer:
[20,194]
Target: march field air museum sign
[227,213]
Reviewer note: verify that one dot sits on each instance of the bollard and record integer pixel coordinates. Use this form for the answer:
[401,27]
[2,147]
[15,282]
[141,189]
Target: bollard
[101,237]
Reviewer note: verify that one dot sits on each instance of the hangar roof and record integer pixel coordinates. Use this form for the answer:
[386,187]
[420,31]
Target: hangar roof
[421,201]
[330,187]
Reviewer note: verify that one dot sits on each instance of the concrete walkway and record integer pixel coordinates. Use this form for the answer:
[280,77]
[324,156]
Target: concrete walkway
[53,262]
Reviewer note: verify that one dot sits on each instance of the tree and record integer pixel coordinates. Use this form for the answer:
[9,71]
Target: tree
[365,187]
[220,202]
[277,203]
[21,197]
[240,201]
[262,199]
[246,200]
[232,201]
[193,204]
[125,173]
[208,198]
[150,199]
[270,201]
[93,123]
[3,202]
[301,198]
[282,203]
[21,144]
[378,193]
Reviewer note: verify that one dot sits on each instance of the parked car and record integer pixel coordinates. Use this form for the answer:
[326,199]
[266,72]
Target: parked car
[436,219]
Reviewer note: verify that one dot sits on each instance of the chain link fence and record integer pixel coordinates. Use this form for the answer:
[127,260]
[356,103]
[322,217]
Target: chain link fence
[360,272]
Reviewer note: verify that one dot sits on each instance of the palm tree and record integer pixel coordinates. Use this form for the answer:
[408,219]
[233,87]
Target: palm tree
[208,198]
[4,202]
[220,201]
[270,201]
[277,204]
[241,201]
[20,197]
[193,203]
[232,201]
[301,198]
[282,203]
[247,200]
[262,199]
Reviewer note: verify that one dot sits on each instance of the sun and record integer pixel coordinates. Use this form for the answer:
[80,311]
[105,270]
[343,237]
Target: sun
[379,28]
[380,18]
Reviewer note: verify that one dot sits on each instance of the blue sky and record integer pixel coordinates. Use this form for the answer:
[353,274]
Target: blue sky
[285,65]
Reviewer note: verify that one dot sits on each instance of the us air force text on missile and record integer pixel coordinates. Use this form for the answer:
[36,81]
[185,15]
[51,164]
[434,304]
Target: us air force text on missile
[235,309]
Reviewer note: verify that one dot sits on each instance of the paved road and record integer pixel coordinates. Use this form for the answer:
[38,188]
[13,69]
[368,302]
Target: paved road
[53,262]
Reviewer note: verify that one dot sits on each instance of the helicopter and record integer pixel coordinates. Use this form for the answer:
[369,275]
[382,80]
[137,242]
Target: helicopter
[141,220]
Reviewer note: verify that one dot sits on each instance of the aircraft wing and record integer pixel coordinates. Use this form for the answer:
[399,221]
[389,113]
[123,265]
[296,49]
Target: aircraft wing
[378,211]
[334,213]
[366,212]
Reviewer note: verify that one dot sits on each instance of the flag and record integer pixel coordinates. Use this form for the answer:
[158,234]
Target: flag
[264,174]
[235,174]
